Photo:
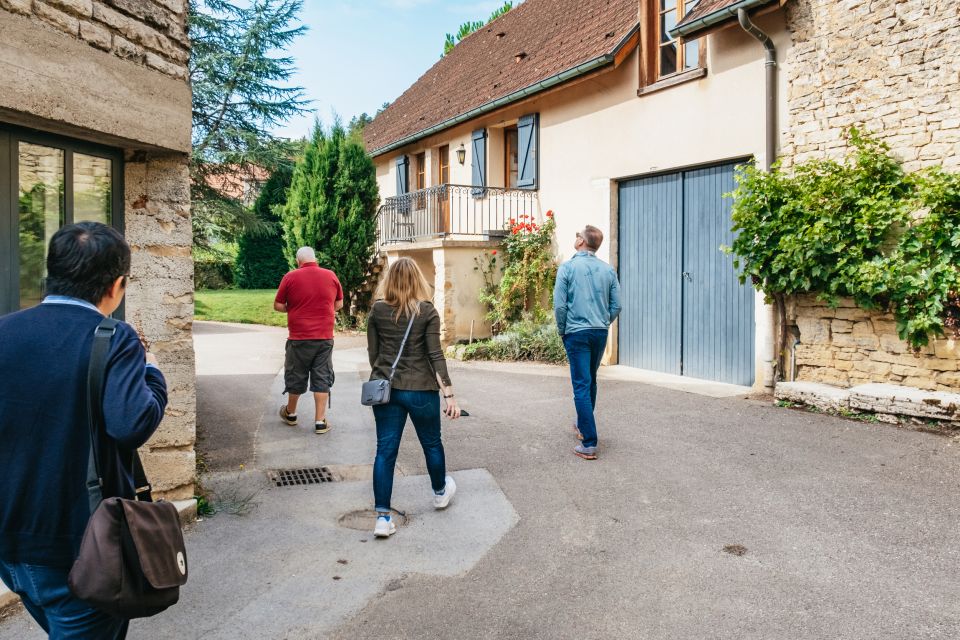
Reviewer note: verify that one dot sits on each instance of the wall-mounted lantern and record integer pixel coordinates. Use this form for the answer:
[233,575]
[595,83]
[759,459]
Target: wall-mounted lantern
[461,154]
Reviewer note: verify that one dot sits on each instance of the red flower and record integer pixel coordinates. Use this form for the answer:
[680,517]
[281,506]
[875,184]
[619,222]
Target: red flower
[550,213]
[513,221]
[494,252]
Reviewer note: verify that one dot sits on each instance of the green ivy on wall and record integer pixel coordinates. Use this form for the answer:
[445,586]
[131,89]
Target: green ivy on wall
[862,228]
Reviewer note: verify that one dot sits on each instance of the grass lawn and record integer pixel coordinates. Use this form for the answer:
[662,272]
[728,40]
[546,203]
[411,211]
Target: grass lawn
[252,306]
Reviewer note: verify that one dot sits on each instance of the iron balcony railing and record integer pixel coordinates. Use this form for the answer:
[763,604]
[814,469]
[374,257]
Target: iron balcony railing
[452,210]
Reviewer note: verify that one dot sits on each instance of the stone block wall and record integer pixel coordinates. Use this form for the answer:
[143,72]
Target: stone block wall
[152,33]
[159,302]
[848,346]
[891,66]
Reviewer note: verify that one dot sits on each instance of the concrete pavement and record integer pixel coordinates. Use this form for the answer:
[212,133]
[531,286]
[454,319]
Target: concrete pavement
[847,526]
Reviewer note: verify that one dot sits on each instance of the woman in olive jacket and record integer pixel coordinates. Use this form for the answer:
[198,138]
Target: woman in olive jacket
[419,380]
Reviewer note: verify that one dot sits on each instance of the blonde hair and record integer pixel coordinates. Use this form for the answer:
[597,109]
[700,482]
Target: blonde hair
[404,288]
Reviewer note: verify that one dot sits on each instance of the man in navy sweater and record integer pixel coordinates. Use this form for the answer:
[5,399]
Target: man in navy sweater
[44,436]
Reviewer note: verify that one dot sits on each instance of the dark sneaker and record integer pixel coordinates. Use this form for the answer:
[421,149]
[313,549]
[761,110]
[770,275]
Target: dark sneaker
[321,427]
[289,418]
[587,453]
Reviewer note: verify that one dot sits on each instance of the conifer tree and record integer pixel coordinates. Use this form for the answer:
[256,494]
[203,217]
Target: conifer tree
[332,206]
[240,80]
[261,259]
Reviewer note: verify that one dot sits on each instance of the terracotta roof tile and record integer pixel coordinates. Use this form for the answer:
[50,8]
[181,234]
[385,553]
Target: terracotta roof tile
[705,8]
[535,41]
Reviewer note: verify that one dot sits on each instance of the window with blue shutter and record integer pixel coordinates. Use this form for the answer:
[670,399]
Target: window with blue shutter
[403,175]
[528,137]
[479,161]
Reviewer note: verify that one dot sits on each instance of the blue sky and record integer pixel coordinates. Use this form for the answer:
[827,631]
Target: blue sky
[359,54]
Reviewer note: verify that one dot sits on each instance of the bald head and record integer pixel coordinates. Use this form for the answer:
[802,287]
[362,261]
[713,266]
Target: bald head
[305,255]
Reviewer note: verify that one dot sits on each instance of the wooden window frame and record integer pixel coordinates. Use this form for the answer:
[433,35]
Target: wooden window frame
[420,171]
[506,156]
[443,153]
[650,78]
[10,137]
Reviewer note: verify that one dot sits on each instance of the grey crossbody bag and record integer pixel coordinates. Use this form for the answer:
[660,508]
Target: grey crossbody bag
[376,392]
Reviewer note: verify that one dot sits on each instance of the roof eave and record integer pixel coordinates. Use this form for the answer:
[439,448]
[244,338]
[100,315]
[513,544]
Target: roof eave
[713,19]
[547,83]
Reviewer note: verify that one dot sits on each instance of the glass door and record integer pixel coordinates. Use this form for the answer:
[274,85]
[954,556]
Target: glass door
[45,183]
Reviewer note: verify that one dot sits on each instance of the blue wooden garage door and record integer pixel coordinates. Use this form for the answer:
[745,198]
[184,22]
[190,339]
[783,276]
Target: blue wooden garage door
[684,310]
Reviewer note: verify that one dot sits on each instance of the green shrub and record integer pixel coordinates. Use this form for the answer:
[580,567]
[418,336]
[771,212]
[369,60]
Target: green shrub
[863,229]
[528,339]
[212,273]
[529,272]
[261,262]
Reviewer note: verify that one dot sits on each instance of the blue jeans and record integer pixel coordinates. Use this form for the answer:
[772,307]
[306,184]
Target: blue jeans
[584,352]
[423,407]
[44,593]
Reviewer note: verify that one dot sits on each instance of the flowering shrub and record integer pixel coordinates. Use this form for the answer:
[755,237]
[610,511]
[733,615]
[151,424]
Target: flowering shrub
[529,271]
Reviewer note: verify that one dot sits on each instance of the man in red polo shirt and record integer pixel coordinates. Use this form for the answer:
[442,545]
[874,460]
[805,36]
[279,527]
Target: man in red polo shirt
[311,297]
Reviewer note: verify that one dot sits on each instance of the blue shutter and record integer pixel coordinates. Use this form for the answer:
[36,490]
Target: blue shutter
[402,175]
[479,160]
[528,138]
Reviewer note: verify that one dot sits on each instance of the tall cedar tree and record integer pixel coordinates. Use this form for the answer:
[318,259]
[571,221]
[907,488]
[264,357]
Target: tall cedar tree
[332,206]
[261,262]
[240,93]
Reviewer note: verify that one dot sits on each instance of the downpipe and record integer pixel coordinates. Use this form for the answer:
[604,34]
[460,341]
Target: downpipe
[770,67]
[774,362]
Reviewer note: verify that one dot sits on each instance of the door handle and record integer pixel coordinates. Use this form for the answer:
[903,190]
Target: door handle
[686,275]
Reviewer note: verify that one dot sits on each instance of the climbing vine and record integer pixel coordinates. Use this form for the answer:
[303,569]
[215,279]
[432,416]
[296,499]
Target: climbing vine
[862,228]
[529,271]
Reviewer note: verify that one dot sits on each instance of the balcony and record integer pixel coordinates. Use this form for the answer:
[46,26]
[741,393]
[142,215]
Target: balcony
[452,210]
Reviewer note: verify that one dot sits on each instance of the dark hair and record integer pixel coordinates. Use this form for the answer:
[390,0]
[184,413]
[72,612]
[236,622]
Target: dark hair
[593,237]
[85,259]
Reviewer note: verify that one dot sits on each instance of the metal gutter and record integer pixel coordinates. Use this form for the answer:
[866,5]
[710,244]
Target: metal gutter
[547,83]
[711,19]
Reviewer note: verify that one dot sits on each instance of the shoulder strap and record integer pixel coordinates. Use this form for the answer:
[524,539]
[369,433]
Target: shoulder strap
[96,373]
[393,367]
[96,377]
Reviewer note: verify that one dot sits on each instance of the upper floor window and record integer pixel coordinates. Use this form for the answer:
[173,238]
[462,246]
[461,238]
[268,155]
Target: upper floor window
[511,159]
[664,61]
[672,57]
[421,167]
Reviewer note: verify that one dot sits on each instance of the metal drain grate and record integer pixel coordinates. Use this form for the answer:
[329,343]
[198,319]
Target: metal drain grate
[293,477]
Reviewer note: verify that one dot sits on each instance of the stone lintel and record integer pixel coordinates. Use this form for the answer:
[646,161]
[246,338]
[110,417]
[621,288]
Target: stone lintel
[52,81]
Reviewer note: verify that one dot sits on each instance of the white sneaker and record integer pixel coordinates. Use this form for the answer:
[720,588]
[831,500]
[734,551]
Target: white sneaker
[441,501]
[385,528]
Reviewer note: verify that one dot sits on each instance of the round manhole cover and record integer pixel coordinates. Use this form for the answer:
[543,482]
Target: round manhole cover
[365,520]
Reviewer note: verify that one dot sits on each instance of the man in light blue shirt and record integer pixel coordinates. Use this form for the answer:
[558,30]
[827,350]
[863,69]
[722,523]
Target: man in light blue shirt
[586,299]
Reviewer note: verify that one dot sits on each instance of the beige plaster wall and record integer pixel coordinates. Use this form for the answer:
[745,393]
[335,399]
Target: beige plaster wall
[598,131]
[847,346]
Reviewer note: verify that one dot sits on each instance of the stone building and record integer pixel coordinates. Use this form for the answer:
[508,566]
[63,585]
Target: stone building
[95,123]
[891,67]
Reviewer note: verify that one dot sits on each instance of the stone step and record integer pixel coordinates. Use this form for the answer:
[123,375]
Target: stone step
[882,399]
[906,401]
[814,394]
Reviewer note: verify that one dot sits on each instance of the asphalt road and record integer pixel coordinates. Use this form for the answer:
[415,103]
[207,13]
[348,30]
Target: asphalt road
[843,529]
